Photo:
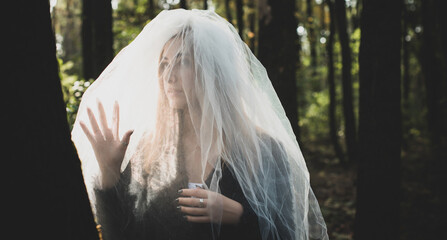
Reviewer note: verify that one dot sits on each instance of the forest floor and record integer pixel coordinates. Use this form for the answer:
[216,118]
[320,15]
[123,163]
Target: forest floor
[335,189]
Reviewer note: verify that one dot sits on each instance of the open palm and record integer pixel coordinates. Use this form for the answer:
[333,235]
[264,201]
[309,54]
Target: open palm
[108,147]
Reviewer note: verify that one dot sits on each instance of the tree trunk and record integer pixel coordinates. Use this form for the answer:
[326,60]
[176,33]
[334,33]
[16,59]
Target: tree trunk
[252,25]
[378,182]
[183,4]
[348,108]
[331,82]
[150,9]
[278,52]
[240,18]
[97,36]
[434,65]
[406,74]
[311,36]
[48,198]
[228,11]
[355,18]
[71,42]
[405,57]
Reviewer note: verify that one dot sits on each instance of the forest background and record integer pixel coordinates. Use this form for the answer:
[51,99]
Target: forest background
[363,82]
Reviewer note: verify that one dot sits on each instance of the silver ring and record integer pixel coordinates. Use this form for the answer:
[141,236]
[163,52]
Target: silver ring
[201,203]
[124,143]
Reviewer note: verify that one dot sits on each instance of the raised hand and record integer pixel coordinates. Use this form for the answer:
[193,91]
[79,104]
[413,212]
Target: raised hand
[109,149]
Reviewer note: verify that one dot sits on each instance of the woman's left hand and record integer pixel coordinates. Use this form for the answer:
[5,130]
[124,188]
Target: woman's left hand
[204,206]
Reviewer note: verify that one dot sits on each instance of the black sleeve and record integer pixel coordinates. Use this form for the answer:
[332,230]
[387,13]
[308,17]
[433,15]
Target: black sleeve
[248,225]
[284,189]
[114,208]
[276,160]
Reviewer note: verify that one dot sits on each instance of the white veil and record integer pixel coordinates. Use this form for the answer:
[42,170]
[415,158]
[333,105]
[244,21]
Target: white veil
[236,116]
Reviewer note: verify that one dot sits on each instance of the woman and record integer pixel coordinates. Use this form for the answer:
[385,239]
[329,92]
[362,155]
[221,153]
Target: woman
[210,153]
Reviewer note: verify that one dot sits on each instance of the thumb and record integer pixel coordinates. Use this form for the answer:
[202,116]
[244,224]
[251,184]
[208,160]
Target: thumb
[126,137]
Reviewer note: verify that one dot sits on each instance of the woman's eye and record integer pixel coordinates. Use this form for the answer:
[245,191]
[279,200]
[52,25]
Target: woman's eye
[162,67]
[185,62]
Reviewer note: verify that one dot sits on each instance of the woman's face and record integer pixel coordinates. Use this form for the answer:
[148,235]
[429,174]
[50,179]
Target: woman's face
[176,70]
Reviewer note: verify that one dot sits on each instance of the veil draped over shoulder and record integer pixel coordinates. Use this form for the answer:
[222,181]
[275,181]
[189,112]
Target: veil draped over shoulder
[237,121]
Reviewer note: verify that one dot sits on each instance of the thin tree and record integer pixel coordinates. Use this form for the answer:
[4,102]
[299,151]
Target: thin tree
[71,43]
[97,36]
[240,18]
[50,199]
[433,55]
[333,129]
[348,108]
[405,70]
[378,181]
[278,52]
[228,11]
[183,4]
[252,25]
[312,37]
[150,9]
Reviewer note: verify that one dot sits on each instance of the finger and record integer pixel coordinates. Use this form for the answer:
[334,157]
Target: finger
[103,120]
[192,202]
[193,211]
[87,132]
[195,192]
[93,122]
[198,219]
[187,201]
[116,120]
[126,138]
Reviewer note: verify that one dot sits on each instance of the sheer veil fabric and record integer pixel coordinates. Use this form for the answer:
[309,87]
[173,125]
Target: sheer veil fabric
[237,119]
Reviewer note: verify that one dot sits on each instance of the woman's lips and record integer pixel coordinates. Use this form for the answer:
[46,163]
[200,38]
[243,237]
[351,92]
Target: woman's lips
[174,92]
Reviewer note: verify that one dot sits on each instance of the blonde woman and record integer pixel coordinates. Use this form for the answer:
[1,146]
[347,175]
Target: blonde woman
[183,137]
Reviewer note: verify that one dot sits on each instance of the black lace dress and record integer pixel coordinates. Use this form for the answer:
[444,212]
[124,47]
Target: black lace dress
[162,220]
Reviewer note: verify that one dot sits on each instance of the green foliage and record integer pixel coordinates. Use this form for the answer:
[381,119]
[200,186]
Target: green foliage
[314,119]
[128,20]
[314,91]
[73,88]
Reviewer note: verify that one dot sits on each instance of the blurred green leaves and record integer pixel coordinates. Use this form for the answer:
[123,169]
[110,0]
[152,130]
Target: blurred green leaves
[73,88]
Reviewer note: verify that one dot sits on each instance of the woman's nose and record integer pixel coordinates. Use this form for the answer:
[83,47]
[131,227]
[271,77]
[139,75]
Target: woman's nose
[173,75]
[172,78]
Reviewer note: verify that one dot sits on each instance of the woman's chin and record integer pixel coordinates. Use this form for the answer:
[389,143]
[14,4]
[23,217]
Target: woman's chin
[177,105]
